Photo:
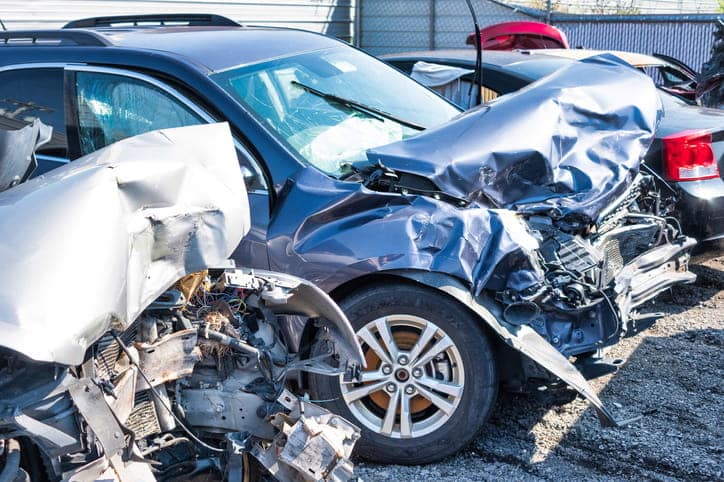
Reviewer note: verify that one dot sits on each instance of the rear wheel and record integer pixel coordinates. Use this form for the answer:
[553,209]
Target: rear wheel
[430,380]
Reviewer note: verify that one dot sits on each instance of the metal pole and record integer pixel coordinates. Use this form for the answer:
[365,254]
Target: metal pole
[548,11]
[357,24]
[431,25]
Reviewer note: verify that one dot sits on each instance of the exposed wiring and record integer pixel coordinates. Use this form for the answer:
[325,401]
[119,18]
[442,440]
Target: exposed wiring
[158,397]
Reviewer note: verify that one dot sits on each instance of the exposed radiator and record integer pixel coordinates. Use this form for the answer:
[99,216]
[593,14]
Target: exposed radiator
[623,245]
[143,420]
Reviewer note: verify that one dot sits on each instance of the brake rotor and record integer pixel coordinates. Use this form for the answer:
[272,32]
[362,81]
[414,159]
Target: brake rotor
[405,340]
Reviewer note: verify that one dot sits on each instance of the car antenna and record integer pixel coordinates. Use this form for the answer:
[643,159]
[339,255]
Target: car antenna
[478,75]
[3,25]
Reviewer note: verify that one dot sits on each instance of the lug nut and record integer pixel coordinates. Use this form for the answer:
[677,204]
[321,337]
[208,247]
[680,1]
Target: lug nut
[386,369]
[409,389]
[417,372]
[402,360]
[391,387]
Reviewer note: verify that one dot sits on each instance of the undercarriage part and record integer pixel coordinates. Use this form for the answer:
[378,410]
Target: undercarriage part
[217,410]
[313,444]
[172,357]
[97,414]
[10,456]
[521,313]
[654,272]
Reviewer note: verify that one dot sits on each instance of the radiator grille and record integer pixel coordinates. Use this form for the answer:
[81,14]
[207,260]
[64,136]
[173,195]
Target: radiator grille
[613,261]
[623,247]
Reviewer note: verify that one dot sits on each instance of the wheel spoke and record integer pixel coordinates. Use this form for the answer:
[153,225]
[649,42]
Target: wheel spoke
[439,346]
[373,376]
[386,335]
[359,392]
[422,342]
[436,400]
[405,416]
[389,421]
[371,341]
[452,389]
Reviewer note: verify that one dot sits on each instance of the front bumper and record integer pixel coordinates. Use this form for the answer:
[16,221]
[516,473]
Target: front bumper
[653,272]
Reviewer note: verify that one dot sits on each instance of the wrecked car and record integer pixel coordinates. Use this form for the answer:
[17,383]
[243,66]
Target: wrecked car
[131,350]
[687,153]
[501,245]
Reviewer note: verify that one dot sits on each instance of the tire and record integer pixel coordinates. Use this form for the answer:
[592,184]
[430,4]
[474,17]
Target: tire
[465,362]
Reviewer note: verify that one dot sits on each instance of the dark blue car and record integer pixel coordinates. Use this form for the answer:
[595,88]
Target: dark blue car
[464,261]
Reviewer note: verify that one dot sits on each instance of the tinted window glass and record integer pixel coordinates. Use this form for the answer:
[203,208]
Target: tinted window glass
[113,107]
[29,94]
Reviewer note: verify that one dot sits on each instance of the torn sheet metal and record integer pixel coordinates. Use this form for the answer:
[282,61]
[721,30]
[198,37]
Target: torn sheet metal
[148,209]
[295,296]
[312,443]
[349,231]
[569,143]
[17,151]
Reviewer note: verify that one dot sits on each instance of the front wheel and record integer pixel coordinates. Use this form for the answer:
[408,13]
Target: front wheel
[430,381]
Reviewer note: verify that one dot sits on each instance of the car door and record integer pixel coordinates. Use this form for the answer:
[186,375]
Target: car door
[28,93]
[107,104]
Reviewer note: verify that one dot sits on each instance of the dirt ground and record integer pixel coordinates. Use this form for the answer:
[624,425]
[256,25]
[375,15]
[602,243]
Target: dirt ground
[673,376]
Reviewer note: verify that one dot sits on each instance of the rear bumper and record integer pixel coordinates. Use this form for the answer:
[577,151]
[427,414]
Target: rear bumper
[700,209]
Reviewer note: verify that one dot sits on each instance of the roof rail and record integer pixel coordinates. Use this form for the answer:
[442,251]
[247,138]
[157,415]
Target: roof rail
[188,19]
[45,37]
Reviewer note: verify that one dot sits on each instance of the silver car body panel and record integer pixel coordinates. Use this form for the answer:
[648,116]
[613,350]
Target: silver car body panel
[148,209]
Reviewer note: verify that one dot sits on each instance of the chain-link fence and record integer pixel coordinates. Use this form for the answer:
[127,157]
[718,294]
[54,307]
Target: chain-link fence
[409,25]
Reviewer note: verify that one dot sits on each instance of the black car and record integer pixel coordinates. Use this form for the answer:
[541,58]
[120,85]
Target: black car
[460,264]
[687,153]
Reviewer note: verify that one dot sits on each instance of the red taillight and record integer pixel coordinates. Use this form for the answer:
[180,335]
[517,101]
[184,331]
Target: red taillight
[688,156]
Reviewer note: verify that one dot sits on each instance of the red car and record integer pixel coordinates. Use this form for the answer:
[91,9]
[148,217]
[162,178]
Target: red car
[520,35]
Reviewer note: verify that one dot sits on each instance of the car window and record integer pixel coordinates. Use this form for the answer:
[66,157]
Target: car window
[666,76]
[29,94]
[112,107]
[673,77]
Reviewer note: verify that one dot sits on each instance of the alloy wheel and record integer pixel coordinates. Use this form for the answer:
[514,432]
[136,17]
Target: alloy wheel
[414,379]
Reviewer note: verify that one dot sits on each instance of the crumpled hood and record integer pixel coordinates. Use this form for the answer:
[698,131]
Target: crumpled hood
[571,142]
[90,245]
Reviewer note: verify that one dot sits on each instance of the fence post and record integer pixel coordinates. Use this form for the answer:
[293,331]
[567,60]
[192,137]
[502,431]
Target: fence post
[431,24]
[548,12]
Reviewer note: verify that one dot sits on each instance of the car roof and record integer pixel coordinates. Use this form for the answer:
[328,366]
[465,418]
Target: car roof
[212,48]
[530,67]
[495,57]
[632,58]
[508,57]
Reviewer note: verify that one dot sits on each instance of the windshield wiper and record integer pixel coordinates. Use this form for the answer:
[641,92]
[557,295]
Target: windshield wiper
[359,107]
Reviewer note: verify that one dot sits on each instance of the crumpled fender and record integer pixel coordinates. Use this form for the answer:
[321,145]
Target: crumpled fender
[523,338]
[90,245]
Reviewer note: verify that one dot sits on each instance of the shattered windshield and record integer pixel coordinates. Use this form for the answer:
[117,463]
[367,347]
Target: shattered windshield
[330,106]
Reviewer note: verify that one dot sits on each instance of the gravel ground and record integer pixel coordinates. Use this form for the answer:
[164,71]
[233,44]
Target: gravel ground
[673,376]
